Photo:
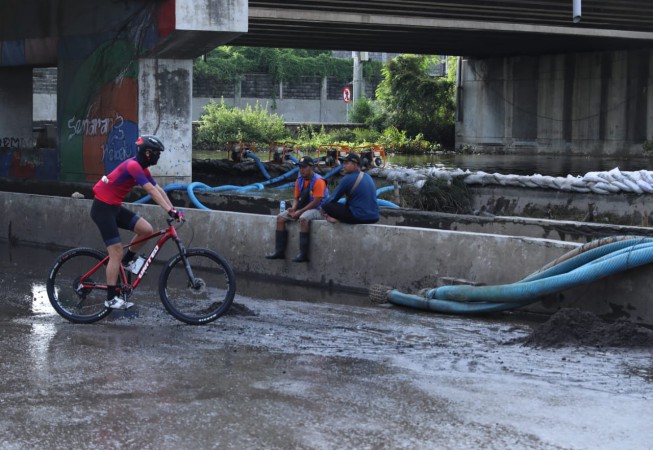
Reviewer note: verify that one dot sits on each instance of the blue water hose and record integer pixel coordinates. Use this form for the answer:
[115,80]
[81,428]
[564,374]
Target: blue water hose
[168,188]
[615,255]
[258,163]
[385,203]
[197,186]
[204,188]
[282,177]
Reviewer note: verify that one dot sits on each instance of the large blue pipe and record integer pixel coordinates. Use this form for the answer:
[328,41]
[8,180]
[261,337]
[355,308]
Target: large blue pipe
[586,267]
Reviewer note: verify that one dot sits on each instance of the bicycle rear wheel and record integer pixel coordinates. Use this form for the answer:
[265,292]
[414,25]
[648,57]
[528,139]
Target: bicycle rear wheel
[73,302]
[209,295]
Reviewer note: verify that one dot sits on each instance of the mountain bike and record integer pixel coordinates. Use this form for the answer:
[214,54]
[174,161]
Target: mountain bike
[196,285]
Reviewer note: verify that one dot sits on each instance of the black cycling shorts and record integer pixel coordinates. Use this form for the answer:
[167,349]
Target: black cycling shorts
[109,218]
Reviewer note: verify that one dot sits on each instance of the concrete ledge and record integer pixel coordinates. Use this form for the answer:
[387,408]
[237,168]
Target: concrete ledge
[345,256]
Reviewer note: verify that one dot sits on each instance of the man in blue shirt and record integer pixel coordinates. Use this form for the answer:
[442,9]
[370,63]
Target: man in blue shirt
[359,188]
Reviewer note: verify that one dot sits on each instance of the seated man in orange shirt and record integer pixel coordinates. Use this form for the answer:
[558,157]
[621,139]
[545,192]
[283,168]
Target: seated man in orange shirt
[310,191]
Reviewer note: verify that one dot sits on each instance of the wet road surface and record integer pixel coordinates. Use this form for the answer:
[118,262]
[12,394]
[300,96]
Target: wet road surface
[325,374]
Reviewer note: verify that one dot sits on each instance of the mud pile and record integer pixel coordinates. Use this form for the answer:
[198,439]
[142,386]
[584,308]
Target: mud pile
[572,327]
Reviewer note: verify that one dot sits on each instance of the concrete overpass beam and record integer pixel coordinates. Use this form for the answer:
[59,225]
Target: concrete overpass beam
[202,25]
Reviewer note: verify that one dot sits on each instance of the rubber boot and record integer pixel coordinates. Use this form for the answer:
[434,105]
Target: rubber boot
[280,241]
[304,241]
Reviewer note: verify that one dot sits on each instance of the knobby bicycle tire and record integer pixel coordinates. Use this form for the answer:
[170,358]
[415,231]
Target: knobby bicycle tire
[203,301]
[72,303]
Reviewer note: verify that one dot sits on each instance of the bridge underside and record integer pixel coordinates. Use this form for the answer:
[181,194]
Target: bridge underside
[468,27]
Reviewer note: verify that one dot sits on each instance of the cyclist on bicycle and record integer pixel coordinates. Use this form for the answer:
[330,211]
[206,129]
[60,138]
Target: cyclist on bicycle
[109,214]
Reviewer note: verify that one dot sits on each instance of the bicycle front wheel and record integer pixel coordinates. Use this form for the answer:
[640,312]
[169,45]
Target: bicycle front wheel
[203,299]
[77,303]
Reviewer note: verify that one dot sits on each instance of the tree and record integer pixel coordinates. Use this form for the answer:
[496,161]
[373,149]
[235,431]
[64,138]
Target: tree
[414,101]
[231,63]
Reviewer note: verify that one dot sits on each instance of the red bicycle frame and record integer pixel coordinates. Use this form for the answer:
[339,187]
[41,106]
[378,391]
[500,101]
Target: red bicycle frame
[169,233]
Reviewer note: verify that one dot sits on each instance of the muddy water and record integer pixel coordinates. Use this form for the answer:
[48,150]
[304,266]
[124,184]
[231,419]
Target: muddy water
[309,373]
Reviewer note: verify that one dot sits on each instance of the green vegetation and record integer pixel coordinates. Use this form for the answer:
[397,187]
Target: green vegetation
[222,124]
[413,101]
[413,112]
[231,63]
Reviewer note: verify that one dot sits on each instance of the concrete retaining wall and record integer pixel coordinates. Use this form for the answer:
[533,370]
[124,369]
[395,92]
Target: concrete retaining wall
[345,256]
[619,209]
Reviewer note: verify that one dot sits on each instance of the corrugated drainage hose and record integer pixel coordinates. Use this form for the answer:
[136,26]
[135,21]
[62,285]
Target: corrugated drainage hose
[590,262]
[201,187]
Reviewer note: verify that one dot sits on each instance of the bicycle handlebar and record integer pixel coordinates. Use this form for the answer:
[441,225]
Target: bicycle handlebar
[182,220]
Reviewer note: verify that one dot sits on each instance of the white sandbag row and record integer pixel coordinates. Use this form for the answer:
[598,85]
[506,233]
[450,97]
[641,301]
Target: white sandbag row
[611,182]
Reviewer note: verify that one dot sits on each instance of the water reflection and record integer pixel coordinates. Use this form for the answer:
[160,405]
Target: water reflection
[42,333]
[39,344]
[552,165]
[40,302]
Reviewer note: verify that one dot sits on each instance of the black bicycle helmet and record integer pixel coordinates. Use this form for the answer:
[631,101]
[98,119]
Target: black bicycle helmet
[145,143]
[149,142]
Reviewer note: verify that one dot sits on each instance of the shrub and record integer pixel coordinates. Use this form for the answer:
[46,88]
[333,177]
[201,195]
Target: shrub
[362,111]
[221,124]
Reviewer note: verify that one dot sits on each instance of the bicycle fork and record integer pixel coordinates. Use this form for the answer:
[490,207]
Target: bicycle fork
[192,281]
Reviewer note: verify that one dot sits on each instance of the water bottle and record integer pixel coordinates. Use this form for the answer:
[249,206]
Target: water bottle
[136,265]
[282,206]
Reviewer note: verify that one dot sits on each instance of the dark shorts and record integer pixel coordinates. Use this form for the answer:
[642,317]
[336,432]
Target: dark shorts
[342,212]
[109,218]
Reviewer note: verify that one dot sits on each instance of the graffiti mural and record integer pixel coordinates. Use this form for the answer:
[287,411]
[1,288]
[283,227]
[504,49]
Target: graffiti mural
[98,92]
[29,163]
[15,142]
[100,101]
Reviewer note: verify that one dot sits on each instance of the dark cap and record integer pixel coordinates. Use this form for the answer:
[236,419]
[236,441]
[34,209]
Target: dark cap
[306,161]
[352,157]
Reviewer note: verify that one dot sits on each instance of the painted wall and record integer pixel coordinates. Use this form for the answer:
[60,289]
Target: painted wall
[587,103]
[98,93]
[98,108]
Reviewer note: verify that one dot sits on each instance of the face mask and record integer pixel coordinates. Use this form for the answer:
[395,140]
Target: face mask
[144,161]
[154,157]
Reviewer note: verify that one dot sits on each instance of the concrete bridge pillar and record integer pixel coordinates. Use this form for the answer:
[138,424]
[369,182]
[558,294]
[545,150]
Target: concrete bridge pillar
[165,108]
[595,103]
[16,108]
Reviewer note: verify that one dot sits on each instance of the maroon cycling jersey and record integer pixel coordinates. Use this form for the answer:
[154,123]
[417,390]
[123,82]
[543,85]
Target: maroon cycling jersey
[113,188]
